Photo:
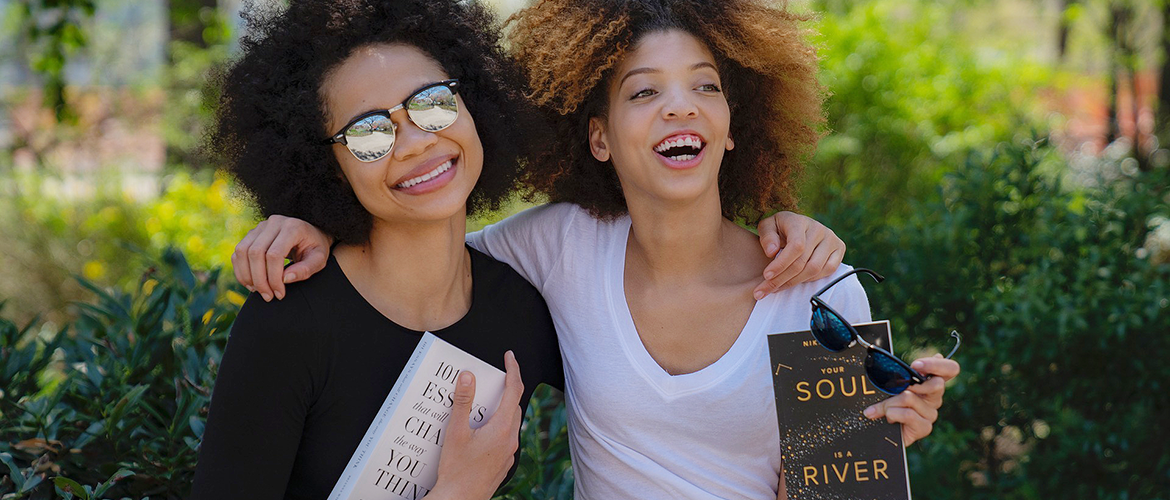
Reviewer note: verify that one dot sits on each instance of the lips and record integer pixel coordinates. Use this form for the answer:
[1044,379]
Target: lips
[680,147]
[426,171]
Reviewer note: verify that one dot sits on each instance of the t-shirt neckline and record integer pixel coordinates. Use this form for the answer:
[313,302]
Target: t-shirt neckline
[639,356]
[359,298]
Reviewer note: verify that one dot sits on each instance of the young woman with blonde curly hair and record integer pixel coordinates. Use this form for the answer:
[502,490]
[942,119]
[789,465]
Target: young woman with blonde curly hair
[674,119]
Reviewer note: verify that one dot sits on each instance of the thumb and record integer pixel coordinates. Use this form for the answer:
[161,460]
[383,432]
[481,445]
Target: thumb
[312,262]
[458,427]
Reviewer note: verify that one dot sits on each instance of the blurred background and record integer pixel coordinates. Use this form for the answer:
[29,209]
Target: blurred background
[1002,162]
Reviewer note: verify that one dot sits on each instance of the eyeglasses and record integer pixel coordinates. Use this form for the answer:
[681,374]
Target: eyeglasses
[888,373]
[370,136]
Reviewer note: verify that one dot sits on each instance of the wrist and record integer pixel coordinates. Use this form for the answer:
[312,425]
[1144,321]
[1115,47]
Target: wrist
[439,493]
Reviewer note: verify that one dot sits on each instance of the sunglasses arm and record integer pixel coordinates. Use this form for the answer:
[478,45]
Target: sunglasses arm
[877,277]
[914,373]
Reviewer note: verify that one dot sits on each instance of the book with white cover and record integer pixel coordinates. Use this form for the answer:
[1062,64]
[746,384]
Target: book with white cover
[398,458]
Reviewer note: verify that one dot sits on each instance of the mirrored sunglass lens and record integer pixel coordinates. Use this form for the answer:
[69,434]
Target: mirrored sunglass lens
[886,373]
[433,109]
[370,138]
[829,330]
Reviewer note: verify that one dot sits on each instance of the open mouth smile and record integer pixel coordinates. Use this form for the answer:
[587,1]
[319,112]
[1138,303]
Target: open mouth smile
[680,148]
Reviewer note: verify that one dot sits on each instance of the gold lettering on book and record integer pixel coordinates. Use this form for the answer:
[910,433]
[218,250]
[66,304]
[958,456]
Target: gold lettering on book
[827,388]
[857,471]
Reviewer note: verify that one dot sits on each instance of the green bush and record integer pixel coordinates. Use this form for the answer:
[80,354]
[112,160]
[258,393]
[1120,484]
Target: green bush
[119,404]
[1065,320]
[911,95]
[51,236]
[114,405]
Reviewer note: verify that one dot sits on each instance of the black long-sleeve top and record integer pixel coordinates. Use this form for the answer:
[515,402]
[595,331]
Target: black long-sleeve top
[302,378]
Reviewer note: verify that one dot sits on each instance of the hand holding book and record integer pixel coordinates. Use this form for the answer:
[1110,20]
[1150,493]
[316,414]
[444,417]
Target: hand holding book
[475,461]
[917,408]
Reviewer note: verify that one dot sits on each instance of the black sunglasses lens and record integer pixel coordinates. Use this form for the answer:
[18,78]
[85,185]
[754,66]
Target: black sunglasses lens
[434,108]
[886,373]
[830,330]
[370,138]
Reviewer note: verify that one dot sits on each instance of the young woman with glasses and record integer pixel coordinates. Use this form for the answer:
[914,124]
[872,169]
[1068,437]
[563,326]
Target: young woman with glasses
[427,104]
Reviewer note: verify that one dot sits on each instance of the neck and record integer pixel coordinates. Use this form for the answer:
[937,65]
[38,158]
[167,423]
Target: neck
[679,242]
[417,274]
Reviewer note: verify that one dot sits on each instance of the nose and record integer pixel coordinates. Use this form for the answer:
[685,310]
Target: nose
[409,140]
[679,104]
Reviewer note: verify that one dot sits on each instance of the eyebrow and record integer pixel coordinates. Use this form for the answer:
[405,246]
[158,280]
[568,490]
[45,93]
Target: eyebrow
[640,71]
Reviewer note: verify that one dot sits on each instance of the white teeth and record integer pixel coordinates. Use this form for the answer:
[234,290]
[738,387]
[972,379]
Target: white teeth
[683,157]
[691,141]
[427,176]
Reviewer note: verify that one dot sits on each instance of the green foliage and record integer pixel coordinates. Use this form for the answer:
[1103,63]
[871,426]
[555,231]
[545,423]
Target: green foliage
[55,31]
[1064,373]
[51,236]
[544,471]
[114,405]
[118,404]
[189,114]
[910,98]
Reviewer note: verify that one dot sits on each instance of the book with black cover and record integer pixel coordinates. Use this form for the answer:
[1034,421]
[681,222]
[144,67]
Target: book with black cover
[830,449]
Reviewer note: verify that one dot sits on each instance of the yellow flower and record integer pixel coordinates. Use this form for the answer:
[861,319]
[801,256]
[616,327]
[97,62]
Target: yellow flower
[93,270]
[148,286]
[235,298]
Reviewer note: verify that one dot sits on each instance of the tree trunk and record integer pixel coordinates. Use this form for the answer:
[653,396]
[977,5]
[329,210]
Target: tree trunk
[1062,29]
[1162,118]
[1116,19]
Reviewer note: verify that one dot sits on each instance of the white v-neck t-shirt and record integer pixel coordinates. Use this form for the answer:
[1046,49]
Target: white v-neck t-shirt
[636,431]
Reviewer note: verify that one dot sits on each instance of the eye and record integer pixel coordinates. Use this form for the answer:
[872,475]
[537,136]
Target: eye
[644,93]
[710,87]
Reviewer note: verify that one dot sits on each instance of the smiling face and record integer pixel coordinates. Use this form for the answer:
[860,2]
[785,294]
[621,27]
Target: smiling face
[428,175]
[668,121]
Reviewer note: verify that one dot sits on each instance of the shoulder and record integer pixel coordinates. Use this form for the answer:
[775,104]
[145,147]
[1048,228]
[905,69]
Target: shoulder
[847,297]
[547,217]
[505,283]
[291,320]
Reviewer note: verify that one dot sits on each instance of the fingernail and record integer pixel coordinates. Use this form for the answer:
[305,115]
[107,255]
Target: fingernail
[870,412]
[249,287]
[510,354]
[917,365]
[267,297]
[288,278]
[465,379]
[769,275]
[759,295]
[772,248]
[279,295]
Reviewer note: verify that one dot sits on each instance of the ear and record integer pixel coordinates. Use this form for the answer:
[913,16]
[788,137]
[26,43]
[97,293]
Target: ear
[730,143]
[598,142]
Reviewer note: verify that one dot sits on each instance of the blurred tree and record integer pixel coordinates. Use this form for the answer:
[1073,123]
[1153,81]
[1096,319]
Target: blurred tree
[1162,120]
[910,97]
[199,40]
[53,31]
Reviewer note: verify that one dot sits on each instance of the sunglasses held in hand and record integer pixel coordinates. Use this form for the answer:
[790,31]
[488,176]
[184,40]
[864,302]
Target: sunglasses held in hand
[370,136]
[888,373]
